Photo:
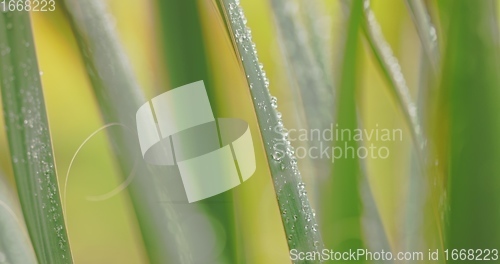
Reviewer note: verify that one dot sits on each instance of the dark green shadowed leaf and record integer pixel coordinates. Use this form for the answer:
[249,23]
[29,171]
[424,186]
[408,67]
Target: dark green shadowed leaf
[29,140]
[471,89]
[187,62]
[183,44]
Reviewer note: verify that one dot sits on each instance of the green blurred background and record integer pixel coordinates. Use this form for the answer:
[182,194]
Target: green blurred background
[107,231]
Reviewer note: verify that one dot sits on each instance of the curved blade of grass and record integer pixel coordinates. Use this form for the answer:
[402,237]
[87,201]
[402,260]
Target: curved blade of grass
[392,72]
[342,215]
[15,244]
[470,92]
[29,140]
[426,31]
[431,56]
[298,218]
[119,97]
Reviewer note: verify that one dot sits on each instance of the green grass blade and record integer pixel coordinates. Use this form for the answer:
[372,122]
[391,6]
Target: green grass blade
[392,72]
[298,218]
[15,244]
[342,212]
[426,31]
[119,97]
[470,92]
[185,54]
[29,140]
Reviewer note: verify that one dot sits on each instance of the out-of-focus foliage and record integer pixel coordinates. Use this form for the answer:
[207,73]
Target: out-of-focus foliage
[437,189]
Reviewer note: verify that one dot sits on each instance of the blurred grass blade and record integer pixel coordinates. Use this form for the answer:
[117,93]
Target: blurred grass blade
[315,89]
[119,97]
[318,25]
[29,140]
[15,244]
[412,115]
[430,59]
[186,60]
[392,71]
[298,218]
[375,234]
[342,212]
[426,31]
[183,45]
[470,92]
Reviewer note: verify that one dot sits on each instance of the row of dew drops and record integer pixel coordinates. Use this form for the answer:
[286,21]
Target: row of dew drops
[284,158]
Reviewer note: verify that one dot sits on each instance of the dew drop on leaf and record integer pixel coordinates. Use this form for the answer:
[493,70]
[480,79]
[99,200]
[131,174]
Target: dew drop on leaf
[276,156]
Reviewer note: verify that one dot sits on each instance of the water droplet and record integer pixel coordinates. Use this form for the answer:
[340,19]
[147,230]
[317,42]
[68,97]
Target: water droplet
[5,51]
[274,102]
[302,189]
[277,156]
[266,82]
[433,34]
